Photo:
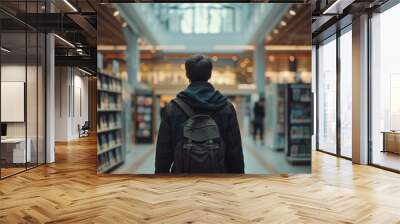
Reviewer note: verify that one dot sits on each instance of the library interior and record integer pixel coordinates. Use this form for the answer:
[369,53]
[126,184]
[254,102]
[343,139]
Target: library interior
[248,64]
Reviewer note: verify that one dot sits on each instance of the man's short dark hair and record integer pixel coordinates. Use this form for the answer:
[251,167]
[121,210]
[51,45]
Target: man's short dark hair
[198,68]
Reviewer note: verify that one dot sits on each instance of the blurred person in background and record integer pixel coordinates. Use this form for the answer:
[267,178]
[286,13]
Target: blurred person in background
[258,122]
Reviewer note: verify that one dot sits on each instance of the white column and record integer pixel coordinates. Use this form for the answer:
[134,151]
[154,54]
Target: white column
[133,62]
[314,91]
[360,90]
[259,67]
[133,56]
[50,98]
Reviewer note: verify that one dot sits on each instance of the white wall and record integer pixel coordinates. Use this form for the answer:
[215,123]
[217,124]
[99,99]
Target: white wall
[71,94]
[62,80]
[80,115]
[16,73]
[33,127]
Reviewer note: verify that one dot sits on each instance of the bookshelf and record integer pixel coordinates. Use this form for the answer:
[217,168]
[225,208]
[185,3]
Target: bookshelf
[298,123]
[144,113]
[110,153]
[280,120]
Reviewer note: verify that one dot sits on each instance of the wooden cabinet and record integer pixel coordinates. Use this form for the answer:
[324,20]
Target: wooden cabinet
[391,142]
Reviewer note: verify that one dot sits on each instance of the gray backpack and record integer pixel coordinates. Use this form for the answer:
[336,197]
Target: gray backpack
[202,149]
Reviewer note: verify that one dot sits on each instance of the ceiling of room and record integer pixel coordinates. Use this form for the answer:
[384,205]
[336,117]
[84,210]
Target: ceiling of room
[294,29]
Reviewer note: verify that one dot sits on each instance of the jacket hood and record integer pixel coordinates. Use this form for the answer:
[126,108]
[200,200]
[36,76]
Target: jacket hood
[203,96]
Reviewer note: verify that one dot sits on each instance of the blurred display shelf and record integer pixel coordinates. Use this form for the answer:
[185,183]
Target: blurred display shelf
[109,110]
[298,123]
[106,149]
[109,129]
[110,152]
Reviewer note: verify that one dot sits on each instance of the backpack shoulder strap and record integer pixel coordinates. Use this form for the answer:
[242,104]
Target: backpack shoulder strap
[184,107]
[228,104]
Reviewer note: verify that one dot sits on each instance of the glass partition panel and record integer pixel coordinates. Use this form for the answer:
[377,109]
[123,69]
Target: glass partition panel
[13,115]
[22,88]
[31,98]
[327,95]
[346,93]
[385,89]
[41,86]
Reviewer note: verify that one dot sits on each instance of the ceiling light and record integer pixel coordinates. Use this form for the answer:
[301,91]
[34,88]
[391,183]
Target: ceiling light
[337,7]
[111,47]
[276,31]
[70,5]
[283,23]
[65,41]
[288,48]
[5,50]
[292,12]
[84,71]
[116,13]
[271,58]
[124,24]
[234,47]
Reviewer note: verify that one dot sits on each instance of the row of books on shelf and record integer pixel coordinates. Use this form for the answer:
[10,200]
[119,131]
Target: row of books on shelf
[105,83]
[300,132]
[110,74]
[301,95]
[300,150]
[143,133]
[300,120]
[109,121]
[109,159]
[108,101]
[300,114]
[145,101]
[280,128]
[144,110]
[143,117]
[108,140]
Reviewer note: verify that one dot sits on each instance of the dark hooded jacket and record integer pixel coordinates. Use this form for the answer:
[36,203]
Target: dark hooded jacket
[202,98]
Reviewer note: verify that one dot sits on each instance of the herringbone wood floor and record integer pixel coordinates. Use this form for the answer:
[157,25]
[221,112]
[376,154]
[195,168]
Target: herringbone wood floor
[70,191]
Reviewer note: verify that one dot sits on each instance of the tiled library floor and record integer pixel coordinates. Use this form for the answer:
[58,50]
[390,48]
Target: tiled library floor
[259,159]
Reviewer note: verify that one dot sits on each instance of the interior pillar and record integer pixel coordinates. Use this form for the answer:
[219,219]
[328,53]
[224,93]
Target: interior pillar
[133,62]
[259,67]
[133,56]
[50,98]
[360,90]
